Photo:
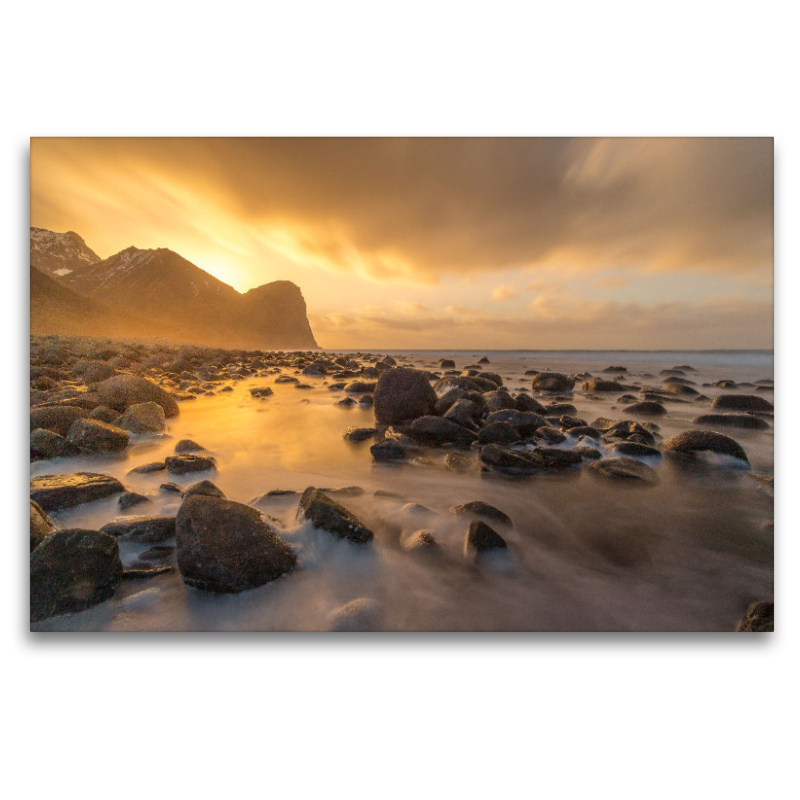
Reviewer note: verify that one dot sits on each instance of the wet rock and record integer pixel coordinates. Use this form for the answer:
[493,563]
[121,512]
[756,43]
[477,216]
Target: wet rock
[345,401]
[360,387]
[498,400]
[680,389]
[524,402]
[143,418]
[629,429]
[183,464]
[615,369]
[130,499]
[552,382]
[477,508]
[41,525]
[54,492]
[447,363]
[759,618]
[742,402]
[648,408]
[46,444]
[104,414]
[326,513]
[187,446]
[588,453]
[549,435]
[206,488]
[481,538]
[403,394]
[695,441]
[72,570]
[358,616]
[150,466]
[559,410]
[416,510]
[742,421]
[389,450]
[526,423]
[144,529]
[467,384]
[502,458]
[421,541]
[600,385]
[498,433]
[171,488]
[359,434]
[57,419]
[463,412]
[586,430]
[623,468]
[97,437]
[366,400]
[122,391]
[438,431]
[459,462]
[157,553]
[261,391]
[286,379]
[635,449]
[227,547]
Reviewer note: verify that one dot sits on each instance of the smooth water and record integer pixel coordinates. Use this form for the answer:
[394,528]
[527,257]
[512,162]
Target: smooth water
[584,554]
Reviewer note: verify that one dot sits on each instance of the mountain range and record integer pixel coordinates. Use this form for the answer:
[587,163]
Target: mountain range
[156,293]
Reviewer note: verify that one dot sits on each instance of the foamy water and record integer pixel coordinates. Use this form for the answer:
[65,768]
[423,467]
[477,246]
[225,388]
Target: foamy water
[584,554]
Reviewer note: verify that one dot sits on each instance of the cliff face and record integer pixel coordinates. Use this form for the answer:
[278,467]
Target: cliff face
[160,293]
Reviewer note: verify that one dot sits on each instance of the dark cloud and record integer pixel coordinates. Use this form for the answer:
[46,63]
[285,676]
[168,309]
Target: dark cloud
[419,208]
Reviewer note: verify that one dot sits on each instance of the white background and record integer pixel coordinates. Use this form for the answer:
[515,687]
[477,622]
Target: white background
[689,716]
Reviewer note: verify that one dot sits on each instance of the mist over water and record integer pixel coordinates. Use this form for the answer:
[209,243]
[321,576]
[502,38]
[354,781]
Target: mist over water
[689,553]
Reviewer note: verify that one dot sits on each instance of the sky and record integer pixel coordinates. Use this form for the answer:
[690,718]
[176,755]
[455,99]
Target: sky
[449,243]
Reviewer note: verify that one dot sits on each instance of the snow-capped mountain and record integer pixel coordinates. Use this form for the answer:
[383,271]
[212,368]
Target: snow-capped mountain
[60,255]
[181,301]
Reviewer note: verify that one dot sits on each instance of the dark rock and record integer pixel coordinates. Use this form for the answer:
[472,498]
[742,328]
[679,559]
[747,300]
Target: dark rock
[759,618]
[499,433]
[481,538]
[403,394]
[129,499]
[146,572]
[499,400]
[187,446]
[635,449]
[97,437]
[459,462]
[150,466]
[477,508]
[615,369]
[54,492]
[599,385]
[438,431]
[326,513]
[104,414]
[359,434]
[96,371]
[41,525]
[148,530]
[72,570]
[227,547]
[526,423]
[447,363]
[261,391]
[173,488]
[742,421]
[345,401]
[552,382]
[524,402]
[586,430]
[680,389]
[742,402]
[206,488]
[464,412]
[647,408]
[588,453]
[182,464]
[559,410]
[57,419]
[693,441]
[143,418]
[122,391]
[389,450]
[553,458]
[623,468]
[46,444]
[360,387]
[549,435]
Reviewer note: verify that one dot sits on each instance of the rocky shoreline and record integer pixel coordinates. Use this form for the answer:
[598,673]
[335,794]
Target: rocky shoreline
[93,398]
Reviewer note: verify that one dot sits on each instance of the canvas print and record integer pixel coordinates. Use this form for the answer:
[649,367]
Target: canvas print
[401,384]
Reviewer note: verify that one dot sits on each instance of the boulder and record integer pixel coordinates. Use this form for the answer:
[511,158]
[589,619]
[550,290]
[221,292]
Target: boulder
[742,402]
[57,419]
[104,414]
[742,421]
[477,508]
[227,547]
[635,449]
[389,450]
[359,434]
[187,446]
[498,433]
[694,441]
[97,437]
[421,541]
[648,408]
[206,488]
[46,444]
[759,618]
[150,466]
[482,538]
[54,492]
[326,513]
[600,385]
[143,529]
[72,570]
[358,616]
[438,431]
[143,418]
[123,391]
[41,525]
[622,468]
[402,393]
[180,465]
[552,382]
[130,499]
